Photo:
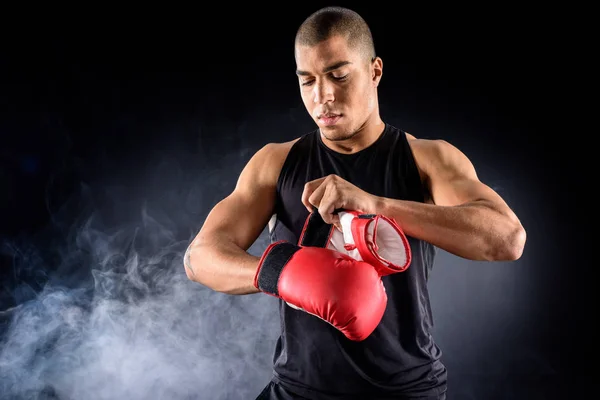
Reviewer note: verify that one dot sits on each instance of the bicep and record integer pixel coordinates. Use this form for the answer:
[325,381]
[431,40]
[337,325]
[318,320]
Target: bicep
[238,218]
[242,215]
[461,190]
[453,179]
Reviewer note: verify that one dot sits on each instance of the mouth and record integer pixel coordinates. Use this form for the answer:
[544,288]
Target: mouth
[329,119]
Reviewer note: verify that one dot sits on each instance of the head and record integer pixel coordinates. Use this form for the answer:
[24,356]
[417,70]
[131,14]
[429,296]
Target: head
[338,71]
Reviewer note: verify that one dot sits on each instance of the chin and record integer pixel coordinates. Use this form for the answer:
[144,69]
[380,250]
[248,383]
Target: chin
[337,133]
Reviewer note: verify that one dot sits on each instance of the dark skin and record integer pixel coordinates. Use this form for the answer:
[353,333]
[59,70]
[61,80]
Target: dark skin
[338,85]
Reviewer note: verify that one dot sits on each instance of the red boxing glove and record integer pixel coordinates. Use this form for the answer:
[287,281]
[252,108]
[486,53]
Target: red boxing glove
[346,293]
[373,238]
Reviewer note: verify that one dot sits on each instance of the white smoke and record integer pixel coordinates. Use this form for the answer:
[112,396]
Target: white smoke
[116,316]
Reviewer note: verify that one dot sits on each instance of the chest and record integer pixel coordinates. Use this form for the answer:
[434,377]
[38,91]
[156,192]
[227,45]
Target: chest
[380,175]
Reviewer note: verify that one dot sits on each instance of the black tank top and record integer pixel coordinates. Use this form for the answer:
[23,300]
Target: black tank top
[400,357]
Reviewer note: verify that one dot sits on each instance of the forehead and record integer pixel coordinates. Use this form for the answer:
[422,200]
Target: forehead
[332,50]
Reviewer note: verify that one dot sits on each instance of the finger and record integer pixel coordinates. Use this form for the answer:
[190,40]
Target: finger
[337,223]
[309,189]
[328,205]
[317,195]
[329,216]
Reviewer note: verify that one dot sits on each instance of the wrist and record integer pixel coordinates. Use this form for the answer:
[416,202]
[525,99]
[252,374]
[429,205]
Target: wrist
[379,205]
[271,265]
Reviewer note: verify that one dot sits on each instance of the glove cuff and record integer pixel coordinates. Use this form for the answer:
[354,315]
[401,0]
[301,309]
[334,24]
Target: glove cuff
[316,233]
[271,264]
[389,252]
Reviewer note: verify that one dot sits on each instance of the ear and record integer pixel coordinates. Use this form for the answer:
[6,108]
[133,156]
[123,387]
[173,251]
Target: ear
[376,70]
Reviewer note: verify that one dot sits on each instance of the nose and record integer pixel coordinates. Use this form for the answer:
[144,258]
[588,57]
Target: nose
[323,92]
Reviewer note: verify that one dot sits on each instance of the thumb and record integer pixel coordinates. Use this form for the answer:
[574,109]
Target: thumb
[336,222]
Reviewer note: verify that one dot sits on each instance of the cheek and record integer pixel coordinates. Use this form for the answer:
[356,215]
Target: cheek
[362,96]
[306,98]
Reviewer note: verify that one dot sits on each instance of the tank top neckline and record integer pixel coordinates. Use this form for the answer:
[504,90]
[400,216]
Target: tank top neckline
[385,130]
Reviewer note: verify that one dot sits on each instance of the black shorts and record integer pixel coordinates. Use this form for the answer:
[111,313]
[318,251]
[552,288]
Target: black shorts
[274,391]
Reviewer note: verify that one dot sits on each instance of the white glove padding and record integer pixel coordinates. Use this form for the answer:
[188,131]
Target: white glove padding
[373,238]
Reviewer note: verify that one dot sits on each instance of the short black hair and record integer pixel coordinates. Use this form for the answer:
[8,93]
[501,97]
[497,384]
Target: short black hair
[331,21]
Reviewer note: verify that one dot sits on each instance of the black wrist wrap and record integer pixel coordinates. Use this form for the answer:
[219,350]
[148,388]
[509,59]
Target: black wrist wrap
[273,263]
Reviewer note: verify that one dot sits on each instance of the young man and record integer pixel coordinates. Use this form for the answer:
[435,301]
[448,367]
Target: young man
[353,161]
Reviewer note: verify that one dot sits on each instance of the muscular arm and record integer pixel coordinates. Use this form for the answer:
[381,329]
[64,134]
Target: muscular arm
[218,257]
[468,218]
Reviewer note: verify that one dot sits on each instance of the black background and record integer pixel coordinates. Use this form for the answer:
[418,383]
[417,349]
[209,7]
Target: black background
[120,118]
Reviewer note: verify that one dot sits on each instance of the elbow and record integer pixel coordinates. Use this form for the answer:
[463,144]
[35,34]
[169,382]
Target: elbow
[512,244]
[187,264]
[191,272]
[196,274]
[199,277]
[515,243]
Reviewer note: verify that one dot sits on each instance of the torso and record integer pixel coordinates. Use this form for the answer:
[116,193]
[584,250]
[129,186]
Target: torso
[400,357]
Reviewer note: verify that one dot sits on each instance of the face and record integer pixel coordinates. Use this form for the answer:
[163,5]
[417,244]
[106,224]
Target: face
[338,86]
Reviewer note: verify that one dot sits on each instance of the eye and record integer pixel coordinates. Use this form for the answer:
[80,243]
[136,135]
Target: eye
[340,78]
[306,83]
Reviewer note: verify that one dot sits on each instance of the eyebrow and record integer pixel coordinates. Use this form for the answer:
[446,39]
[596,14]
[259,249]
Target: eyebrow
[326,69]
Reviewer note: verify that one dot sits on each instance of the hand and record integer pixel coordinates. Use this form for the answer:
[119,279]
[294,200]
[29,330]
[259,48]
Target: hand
[373,238]
[332,193]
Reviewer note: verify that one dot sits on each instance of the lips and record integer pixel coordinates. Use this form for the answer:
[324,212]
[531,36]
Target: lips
[329,119]
[328,115]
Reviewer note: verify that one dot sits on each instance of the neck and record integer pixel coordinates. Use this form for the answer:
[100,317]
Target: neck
[362,138]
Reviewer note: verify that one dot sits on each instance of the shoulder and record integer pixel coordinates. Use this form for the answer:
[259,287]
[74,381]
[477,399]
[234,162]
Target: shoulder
[276,152]
[435,157]
[266,163]
[431,149]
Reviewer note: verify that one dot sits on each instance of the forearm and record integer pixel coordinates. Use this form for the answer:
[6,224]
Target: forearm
[222,266]
[475,230]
